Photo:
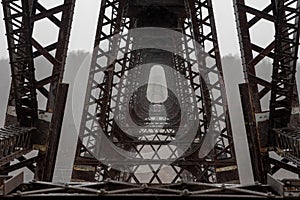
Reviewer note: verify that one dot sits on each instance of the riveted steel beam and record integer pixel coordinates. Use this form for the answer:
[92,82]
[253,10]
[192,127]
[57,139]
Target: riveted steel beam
[22,19]
[111,77]
[277,83]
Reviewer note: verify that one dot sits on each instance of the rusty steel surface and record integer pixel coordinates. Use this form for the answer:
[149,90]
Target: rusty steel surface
[278,86]
[54,133]
[21,19]
[178,147]
[14,142]
[283,96]
[195,21]
[110,189]
[288,141]
[113,189]
[18,29]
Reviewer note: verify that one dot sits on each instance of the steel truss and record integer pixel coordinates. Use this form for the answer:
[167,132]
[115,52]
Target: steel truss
[109,84]
[279,87]
[32,126]
[110,189]
[21,18]
[14,142]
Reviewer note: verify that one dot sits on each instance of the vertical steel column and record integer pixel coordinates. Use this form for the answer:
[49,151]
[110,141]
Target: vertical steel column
[108,84]
[21,18]
[109,24]
[285,63]
[284,102]
[50,139]
[255,132]
[19,31]
[283,51]
[203,30]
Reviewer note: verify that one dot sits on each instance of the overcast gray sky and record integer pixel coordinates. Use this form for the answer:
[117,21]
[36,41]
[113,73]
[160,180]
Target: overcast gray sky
[84,27]
[86,15]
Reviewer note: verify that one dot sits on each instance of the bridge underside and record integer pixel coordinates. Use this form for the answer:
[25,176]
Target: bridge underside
[156,132]
[110,189]
[190,89]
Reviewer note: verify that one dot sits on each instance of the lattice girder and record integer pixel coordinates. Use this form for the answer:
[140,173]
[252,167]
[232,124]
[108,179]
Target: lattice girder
[109,85]
[269,99]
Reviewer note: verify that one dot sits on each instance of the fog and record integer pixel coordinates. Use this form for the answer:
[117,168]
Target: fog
[82,38]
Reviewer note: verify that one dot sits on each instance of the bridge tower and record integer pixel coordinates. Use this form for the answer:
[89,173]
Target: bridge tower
[33,124]
[145,34]
[269,96]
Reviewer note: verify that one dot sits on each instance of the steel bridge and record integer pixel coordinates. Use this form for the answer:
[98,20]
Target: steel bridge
[155,120]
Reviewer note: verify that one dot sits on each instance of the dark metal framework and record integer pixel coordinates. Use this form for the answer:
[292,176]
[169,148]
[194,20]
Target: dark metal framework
[23,112]
[109,80]
[14,142]
[32,126]
[279,87]
[110,189]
